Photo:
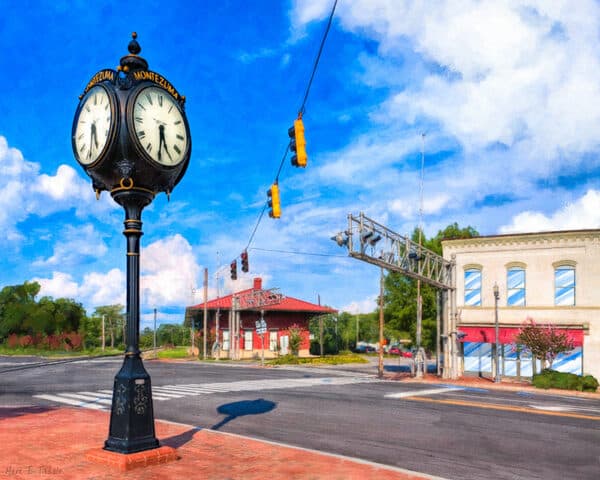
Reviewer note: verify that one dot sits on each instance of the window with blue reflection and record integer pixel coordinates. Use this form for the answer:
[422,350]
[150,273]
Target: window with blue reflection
[515,283]
[564,286]
[473,287]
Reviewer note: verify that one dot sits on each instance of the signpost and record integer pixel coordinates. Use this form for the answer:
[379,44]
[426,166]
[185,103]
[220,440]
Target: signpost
[261,329]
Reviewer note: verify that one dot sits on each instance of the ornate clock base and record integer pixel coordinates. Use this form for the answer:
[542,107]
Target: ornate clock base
[132,415]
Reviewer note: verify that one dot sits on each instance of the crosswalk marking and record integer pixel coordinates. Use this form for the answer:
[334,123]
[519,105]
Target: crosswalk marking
[102,399]
[414,393]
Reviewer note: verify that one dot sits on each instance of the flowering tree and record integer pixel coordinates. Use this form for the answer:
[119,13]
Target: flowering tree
[544,341]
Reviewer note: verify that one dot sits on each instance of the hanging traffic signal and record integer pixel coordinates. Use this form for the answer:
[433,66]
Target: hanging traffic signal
[244,257]
[298,143]
[274,204]
[233,270]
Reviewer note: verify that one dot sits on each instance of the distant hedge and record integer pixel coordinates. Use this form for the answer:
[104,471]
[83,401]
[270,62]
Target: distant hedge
[566,381]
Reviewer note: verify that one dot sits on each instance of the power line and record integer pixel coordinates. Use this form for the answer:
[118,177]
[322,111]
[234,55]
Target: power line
[314,70]
[299,253]
[300,113]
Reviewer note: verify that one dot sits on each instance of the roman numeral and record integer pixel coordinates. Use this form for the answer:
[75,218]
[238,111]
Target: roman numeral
[180,137]
[160,100]
[95,100]
[141,106]
[149,147]
[141,134]
[87,107]
[176,148]
[170,108]
[139,119]
[149,98]
[177,122]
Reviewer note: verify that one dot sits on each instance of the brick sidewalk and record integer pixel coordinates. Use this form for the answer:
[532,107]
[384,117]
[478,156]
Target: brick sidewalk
[51,443]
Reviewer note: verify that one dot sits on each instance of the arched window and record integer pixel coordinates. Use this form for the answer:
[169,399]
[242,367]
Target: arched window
[564,285]
[515,284]
[473,287]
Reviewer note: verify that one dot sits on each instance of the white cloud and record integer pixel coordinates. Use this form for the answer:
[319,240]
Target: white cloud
[60,285]
[169,272]
[581,214]
[24,192]
[100,289]
[367,305]
[77,245]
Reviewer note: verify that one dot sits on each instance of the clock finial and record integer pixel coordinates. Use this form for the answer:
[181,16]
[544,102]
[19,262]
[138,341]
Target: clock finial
[134,47]
[133,61]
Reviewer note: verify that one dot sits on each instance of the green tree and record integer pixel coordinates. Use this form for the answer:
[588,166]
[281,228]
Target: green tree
[400,293]
[17,307]
[114,322]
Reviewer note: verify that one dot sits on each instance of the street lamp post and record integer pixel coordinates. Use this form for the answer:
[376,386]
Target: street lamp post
[497,327]
[131,136]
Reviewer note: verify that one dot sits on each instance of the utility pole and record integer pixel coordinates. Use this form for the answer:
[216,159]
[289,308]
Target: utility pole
[154,335]
[380,363]
[205,317]
[419,354]
[103,336]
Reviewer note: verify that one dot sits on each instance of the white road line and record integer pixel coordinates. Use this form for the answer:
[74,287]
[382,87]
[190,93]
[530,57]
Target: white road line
[415,393]
[87,398]
[57,399]
[169,392]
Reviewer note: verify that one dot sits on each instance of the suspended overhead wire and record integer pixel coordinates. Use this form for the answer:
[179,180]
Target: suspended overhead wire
[314,70]
[300,113]
[299,253]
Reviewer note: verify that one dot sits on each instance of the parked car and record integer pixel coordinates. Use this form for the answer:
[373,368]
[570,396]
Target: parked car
[398,350]
[364,349]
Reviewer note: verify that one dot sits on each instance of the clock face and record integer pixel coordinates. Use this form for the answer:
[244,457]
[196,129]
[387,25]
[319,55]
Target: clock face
[93,126]
[159,126]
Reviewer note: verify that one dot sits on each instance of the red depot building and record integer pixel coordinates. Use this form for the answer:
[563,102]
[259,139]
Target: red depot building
[236,327]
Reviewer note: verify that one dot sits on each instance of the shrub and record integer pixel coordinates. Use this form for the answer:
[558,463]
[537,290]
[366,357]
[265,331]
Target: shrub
[566,381]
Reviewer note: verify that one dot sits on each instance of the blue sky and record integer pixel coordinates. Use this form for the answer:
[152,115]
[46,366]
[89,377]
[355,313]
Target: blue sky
[507,94]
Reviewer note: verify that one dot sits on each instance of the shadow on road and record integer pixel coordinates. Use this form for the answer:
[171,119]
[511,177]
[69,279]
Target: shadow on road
[244,407]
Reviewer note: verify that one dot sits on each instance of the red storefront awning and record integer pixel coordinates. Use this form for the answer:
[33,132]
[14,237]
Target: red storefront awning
[507,334]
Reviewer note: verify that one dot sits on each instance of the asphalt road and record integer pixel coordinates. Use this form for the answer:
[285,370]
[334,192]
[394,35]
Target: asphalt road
[454,433]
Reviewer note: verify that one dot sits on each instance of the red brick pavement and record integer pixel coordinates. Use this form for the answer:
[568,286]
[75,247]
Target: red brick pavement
[52,443]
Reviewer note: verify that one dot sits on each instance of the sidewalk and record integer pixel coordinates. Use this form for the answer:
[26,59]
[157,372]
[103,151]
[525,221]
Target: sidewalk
[51,443]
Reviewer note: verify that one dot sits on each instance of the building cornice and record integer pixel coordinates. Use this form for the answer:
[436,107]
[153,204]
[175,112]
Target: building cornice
[539,238]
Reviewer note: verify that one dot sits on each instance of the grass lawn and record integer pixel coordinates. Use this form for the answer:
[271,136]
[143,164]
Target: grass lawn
[325,360]
[94,352]
[176,352]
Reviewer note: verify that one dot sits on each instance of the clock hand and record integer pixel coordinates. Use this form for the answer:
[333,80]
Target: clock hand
[161,142]
[95,135]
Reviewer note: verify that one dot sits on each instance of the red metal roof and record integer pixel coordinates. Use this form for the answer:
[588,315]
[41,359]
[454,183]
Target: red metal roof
[288,304]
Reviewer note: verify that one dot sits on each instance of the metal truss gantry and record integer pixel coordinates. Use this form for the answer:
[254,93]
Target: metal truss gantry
[374,243]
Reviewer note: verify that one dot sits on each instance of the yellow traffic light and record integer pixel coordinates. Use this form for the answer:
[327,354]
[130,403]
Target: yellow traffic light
[298,144]
[274,204]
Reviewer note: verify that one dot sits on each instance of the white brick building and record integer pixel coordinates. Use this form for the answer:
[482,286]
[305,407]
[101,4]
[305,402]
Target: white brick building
[552,277]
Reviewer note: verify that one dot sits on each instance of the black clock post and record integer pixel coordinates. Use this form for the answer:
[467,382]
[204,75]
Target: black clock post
[133,156]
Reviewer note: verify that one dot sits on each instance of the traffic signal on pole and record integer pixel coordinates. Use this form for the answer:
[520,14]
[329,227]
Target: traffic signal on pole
[233,270]
[274,204]
[244,257]
[298,144]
